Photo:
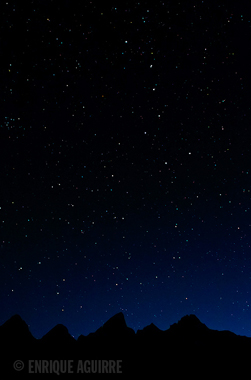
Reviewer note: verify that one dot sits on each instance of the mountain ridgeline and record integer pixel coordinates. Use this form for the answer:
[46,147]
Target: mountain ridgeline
[188,347]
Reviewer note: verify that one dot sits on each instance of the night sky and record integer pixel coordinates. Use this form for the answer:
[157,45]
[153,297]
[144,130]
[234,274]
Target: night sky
[125,163]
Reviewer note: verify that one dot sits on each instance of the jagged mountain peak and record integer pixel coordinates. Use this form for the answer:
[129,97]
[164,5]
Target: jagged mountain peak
[116,322]
[191,320]
[188,323]
[15,320]
[15,329]
[14,324]
[57,334]
[59,329]
[150,332]
[115,328]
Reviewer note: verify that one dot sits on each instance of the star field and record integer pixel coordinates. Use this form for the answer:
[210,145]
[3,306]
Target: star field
[125,163]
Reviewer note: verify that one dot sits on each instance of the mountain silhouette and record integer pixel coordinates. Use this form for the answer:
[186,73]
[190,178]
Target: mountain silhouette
[181,350]
[117,322]
[189,322]
[15,326]
[190,331]
[150,331]
[15,335]
[57,341]
[113,339]
[115,328]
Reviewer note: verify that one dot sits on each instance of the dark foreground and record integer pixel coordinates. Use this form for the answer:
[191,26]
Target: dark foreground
[115,351]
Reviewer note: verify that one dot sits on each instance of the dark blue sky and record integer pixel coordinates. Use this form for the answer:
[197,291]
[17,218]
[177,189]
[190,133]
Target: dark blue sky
[125,164]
